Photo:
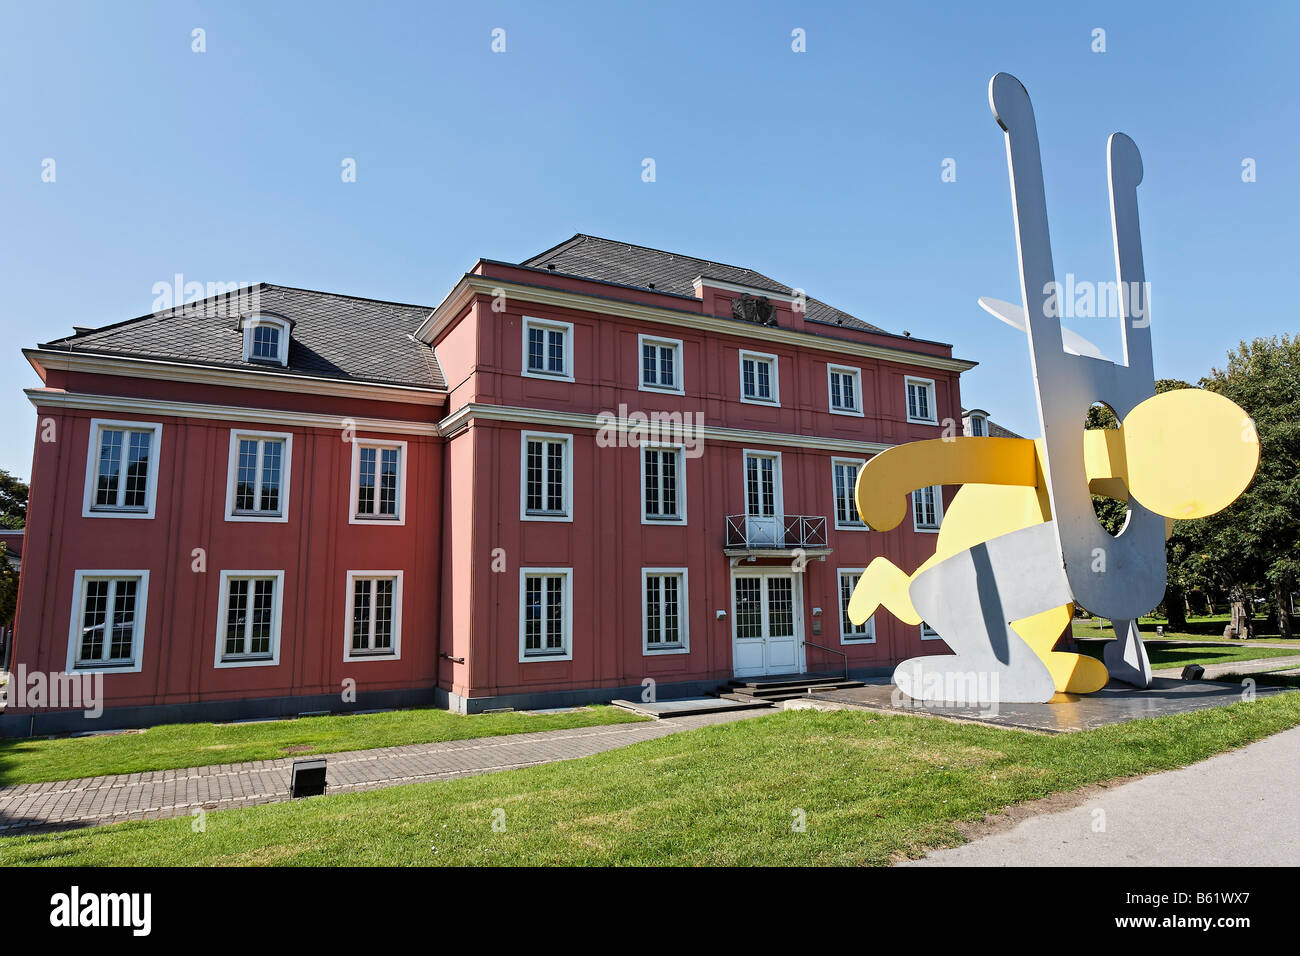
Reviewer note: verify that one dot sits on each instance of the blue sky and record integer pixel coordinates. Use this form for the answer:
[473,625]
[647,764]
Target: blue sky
[821,169]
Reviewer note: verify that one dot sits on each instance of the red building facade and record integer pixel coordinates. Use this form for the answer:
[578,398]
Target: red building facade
[604,466]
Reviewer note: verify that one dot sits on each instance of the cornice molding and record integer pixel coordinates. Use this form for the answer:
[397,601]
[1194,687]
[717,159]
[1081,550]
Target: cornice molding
[472,285]
[56,398]
[668,431]
[162,370]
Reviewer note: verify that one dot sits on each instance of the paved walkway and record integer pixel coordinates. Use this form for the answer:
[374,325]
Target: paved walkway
[173,793]
[1236,809]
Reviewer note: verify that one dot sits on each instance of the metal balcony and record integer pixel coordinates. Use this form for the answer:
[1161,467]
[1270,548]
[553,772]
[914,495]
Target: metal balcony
[750,537]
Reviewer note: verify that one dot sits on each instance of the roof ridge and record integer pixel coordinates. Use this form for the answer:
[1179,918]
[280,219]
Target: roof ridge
[346,295]
[666,252]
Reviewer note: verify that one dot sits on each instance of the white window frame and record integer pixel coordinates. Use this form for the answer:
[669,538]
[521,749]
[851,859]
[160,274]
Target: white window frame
[855,375]
[775,400]
[285,329]
[567,652]
[984,423]
[531,322]
[359,442]
[861,525]
[778,482]
[928,384]
[75,624]
[642,340]
[683,602]
[680,449]
[870,636]
[277,615]
[938,510]
[88,508]
[567,440]
[932,636]
[395,652]
[232,472]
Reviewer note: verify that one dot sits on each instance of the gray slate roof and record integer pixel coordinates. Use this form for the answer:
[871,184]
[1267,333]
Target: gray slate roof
[334,336]
[594,258]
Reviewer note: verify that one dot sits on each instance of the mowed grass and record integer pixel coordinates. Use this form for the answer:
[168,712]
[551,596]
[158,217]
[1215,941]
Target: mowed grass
[1174,655]
[1093,627]
[870,788]
[34,760]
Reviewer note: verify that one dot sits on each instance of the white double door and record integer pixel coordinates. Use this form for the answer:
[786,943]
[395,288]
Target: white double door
[767,622]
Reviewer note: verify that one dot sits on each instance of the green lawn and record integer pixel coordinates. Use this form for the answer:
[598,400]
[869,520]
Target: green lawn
[870,786]
[1092,627]
[33,760]
[1174,655]
[1201,628]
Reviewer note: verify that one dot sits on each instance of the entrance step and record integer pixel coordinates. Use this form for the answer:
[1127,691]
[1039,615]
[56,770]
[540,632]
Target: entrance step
[689,706]
[782,689]
[785,680]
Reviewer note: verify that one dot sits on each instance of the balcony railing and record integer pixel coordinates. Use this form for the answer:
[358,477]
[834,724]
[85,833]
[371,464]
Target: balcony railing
[748,532]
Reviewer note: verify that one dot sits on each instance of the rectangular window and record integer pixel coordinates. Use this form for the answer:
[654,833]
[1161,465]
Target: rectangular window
[850,633]
[663,610]
[378,481]
[548,349]
[844,477]
[661,364]
[374,617]
[977,428]
[248,629]
[928,633]
[258,487]
[927,508]
[758,378]
[663,491]
[760,485]
[545,614]
[121,473]
[266,343]
[920,401]
[107,620]
[845,386]
[545,477]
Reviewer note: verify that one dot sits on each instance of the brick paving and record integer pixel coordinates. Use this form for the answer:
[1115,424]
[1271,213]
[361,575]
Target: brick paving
[154,795]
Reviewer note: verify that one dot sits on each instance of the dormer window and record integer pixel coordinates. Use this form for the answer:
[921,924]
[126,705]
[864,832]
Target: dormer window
[266,339]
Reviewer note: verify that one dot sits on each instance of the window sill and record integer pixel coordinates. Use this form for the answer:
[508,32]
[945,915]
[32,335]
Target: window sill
[550,376]
[258,516]
[852,413]
[390,520]
[248,662]
[922,421]
[538,658]
[386,655]
[661,389]
[117,513]
[664,651]
[545,516]
[770,402]
[851,527]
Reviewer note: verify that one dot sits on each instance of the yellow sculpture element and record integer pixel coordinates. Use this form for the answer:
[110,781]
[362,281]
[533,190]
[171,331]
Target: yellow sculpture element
[1182,454]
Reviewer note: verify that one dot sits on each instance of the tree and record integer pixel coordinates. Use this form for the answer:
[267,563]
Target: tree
[1256,539]
[13,501]
[8,588]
